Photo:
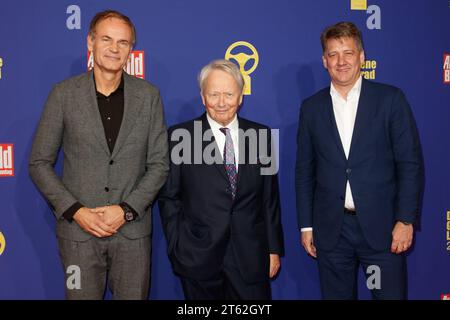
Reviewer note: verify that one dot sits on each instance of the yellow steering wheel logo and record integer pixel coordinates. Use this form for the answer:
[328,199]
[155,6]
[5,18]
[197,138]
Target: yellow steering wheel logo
[2,243]
[242,58]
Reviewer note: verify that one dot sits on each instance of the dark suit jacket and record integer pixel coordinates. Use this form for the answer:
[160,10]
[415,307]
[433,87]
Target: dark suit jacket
[384,166]
[92,175]
[200,219]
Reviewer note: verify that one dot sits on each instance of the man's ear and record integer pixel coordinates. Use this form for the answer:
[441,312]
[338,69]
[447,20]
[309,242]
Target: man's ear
[203,98]
[324,61]
[90,43]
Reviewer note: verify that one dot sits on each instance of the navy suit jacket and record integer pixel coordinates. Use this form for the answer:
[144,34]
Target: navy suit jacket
[200,219]
[384,166]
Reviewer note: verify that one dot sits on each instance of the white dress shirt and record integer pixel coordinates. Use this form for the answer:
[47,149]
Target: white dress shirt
[345,115]
[220,137]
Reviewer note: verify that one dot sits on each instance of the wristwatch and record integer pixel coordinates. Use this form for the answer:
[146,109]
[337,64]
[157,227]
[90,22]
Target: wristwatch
[128,213]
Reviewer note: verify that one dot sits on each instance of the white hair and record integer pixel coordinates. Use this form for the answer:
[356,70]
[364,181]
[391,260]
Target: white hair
[224,65]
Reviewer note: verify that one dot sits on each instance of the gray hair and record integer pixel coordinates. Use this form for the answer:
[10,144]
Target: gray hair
[100,16]
[224,65]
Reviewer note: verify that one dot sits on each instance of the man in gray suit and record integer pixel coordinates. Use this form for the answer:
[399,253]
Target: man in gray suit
[112,130]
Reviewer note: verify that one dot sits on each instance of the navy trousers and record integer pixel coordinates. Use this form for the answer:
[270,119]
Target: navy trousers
[229,285]
[338,268]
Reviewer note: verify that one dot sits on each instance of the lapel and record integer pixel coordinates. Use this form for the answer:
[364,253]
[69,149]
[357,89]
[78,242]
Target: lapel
[87,102]
[365,113]
[331,121]
[205,126]
[243,153]
[131,111]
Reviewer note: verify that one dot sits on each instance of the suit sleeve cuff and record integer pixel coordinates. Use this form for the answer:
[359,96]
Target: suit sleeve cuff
[69,213]
[306,229]
[410,218]
[131,208]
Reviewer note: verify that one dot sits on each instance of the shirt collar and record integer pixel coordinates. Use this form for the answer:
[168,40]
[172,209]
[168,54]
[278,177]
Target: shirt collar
[233,125]
[354,91]
[119,88]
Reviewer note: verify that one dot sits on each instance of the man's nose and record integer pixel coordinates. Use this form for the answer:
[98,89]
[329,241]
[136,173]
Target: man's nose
[114,47]
[222,100]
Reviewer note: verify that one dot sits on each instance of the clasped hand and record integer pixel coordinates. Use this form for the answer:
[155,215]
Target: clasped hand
[101,221]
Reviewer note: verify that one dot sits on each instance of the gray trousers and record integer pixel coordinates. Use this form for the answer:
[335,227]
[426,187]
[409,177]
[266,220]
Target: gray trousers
[120,263]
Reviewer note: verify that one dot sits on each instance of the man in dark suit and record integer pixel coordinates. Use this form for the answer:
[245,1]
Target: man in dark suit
[111,128]
[359,175]
[222,216]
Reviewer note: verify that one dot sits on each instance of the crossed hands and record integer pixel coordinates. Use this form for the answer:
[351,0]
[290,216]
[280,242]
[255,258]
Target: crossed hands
[101,221]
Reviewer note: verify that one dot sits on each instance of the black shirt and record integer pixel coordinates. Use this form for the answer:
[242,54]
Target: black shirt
[111,111]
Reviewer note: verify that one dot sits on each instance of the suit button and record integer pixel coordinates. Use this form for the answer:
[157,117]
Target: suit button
[111,162]
[106,189]
[348,170]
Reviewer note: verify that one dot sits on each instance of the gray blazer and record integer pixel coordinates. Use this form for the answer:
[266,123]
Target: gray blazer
[134,172]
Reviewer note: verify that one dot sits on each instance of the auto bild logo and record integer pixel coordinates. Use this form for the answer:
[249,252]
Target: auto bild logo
[445,296]
[446,68]
[6,160]
[2,243]
[134,67]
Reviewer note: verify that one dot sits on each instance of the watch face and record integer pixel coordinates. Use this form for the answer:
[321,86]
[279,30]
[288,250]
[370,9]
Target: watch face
[129,216]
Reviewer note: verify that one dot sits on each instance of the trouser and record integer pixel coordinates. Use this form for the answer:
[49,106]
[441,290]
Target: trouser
[120,263]
[228,285]
[338,268]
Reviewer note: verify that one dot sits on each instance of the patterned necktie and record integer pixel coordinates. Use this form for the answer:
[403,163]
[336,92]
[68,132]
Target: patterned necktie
[228,157]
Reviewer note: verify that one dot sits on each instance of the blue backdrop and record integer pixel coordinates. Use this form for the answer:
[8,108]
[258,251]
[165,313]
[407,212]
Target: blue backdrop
[43,42]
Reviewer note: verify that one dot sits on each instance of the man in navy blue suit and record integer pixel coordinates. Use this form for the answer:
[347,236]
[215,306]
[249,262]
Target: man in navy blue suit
[222,216]
[359,175]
